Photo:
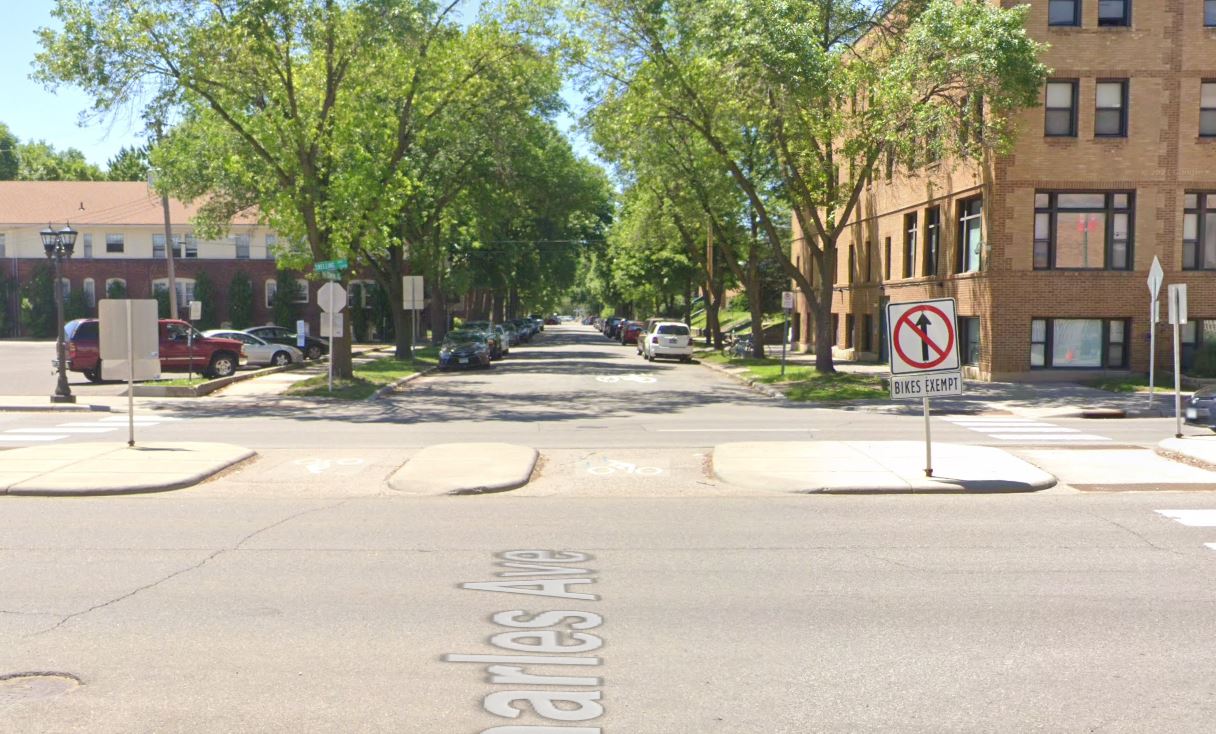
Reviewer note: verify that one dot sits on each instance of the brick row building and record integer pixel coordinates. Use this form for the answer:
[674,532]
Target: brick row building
[1047,249]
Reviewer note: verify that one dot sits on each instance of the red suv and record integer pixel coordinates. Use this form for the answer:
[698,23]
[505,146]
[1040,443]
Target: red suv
[207,355]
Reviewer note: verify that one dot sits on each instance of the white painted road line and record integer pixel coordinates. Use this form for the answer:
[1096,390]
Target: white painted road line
[1192,518]
[107,426]
[1028,429]
[733,430]
[1049,437]
[1000,424]
[123,419]
[61,429]
[1210,546]
[39,437]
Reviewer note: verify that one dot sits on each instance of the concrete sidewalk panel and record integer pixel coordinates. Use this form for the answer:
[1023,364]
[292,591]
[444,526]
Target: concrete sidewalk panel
[114,468]
[465,468]
[1194,449]
[873,467]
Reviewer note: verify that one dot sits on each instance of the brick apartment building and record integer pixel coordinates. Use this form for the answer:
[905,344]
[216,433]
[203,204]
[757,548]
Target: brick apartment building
[1047,249]
[121,238]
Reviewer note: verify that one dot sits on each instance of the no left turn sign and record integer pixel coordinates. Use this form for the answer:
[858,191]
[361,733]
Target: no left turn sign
[923,336]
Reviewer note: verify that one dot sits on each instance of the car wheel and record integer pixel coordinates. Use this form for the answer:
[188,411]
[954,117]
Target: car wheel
[686,360]
[280,359]
[649,357]
[94,375]
[222,365]
[313,351]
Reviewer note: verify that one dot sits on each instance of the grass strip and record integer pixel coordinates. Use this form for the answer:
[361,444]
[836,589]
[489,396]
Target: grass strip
[801,383]
[368,377]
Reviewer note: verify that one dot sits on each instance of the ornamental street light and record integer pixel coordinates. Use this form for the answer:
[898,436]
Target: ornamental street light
[59,246]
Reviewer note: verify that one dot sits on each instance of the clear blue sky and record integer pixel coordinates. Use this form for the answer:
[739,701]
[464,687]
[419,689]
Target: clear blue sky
[33,113]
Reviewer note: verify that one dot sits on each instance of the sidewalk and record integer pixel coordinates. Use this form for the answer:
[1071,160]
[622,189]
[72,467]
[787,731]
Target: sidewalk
[1030,400]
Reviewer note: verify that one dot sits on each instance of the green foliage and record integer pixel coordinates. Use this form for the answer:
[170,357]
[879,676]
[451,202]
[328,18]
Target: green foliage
[1205,361]
[116,289]
[284,306]
[39,161]
[240,301]
[38,302]
[206,293]
[8,286]
[76,306]
[9,165]
[161,294]
[129,164]
[368,378]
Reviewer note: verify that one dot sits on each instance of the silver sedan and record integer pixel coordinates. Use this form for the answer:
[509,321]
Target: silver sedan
[260,351]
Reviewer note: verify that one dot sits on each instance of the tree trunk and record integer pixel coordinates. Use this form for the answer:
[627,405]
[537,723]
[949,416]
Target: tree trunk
[824,338]
[403,325]
[755,301]
[500,307]
[688,301]
[439,307]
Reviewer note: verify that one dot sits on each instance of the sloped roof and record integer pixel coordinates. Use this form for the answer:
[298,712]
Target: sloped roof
[84,203]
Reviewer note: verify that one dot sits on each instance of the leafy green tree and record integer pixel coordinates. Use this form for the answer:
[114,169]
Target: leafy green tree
[285,305]
[76,306]
[161,293]
[9,165]
[8,287]
[129,164]
[38,302]
[206,293]
[39,161]
[116,289]
[817,92]
[240,301]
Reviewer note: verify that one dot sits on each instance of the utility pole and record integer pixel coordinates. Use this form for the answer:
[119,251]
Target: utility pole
[164,202]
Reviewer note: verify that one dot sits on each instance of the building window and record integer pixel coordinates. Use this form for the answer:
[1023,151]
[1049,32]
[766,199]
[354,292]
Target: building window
[272,287]
[241,242]
[869,271]
[116,288]
[88,245]
[1199,232]
[1086,343]
[835,329]
[1083,231]
[1207,109]
[301,291]
[1061,106]
[910,236]
[933,239]
[1064,12]
[1209,13]
[1196,334]
[271,240]
[852,263]
[185,290]
[90,293]
[969,339]
[65,287]
[2,246]
[867,332]
[114,243]
[1114,12]
[1110,114]
[971,235]
[848,331]
[886,260]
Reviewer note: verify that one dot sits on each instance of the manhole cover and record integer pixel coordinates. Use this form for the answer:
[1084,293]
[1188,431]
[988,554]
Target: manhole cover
[34,686]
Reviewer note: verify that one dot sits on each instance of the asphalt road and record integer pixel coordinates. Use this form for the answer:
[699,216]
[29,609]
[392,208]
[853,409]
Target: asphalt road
[299,594]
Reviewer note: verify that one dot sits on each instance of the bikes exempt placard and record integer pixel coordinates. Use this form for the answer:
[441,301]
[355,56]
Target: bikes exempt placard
[924,349]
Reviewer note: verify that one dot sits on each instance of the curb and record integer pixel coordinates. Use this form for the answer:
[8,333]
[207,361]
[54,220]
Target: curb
[384,391]
[759,387]
[206,388]
[59,408]
[183,481]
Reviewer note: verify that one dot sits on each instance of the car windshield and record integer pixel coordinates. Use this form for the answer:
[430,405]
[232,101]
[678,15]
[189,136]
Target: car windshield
[462,337]
[674,329]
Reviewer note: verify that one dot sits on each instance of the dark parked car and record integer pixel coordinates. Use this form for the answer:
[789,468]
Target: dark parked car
[313,347]
[1200,410]
[612,327]
[464,348]
[630,331]
[497,349]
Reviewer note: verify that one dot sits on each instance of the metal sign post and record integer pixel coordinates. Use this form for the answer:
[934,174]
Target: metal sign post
[130,375]
[787,305]
[1177,301]
[332,298]
[414,301]
[1155,276]
[924,356]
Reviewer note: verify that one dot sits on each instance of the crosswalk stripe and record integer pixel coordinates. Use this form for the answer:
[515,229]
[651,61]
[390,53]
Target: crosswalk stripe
[1192,518]
[1003,424]
[38,437]
[107,426]
[1049,437]
[93,429]
[1035,429]
[124,419]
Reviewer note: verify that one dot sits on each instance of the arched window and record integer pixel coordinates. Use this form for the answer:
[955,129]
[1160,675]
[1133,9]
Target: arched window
[116,288]
[301,291]
[272,287]
[90,292]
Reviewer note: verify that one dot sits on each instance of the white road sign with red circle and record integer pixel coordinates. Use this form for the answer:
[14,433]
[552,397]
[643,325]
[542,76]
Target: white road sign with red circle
[923,336]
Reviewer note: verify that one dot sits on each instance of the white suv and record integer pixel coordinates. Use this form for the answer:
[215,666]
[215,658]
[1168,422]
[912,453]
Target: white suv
[666,339]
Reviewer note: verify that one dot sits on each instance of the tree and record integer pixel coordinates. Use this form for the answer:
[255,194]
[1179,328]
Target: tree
[240,300]
[38,313]
[129,164]
[39,161]
[205,293]
[826,89]
[116,289]
[9,165]
[286,302]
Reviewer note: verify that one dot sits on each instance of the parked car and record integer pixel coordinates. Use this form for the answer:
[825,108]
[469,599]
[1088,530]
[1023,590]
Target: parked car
[1201,408]
[259,351]
[182,348]
[504,338]
[552,321]
[540,322]
[314,348]
[612,327]
[667,339]
[523,330]
[630,332]
[464,348]
[494,340]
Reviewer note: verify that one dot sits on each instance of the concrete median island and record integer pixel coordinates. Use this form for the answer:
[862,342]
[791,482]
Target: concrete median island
[874,467]
[465,468]
[75,469]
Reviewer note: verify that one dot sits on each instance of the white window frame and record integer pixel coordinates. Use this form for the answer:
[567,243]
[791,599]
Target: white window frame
[116,243]
[270,290]
[116,280]
[301,291]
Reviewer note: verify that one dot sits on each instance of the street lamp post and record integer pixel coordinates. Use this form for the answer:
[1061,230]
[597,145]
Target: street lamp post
[59,246]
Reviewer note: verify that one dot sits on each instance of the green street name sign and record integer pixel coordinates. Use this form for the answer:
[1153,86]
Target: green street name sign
[330,266]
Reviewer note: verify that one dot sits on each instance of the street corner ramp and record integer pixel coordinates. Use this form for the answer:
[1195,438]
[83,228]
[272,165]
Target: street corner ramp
[873,467]
[1196,450]
[113,468]
[465,468]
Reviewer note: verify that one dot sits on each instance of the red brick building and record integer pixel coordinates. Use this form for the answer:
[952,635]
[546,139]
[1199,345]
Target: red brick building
[1047,249]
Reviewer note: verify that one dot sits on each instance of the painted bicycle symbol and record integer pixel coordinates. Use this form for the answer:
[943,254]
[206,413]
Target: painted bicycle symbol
[319,466]
[626,378]
[612,467]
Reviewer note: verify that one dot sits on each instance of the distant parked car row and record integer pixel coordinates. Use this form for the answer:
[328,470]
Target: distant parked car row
[478,343]
[214,353]
[654,338]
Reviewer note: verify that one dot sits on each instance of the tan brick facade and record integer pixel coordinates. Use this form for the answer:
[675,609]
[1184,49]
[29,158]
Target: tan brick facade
[1165,54]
